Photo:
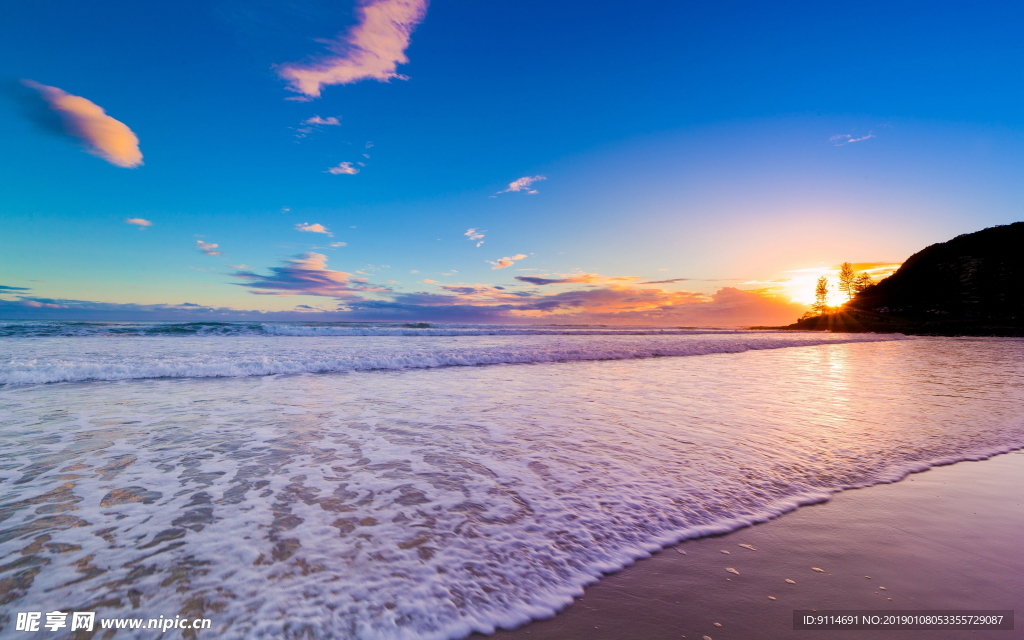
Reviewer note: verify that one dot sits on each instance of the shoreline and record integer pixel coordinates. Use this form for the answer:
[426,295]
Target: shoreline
[944,538]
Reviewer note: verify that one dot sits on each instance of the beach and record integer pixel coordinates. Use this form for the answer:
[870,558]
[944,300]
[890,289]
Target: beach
[948,538]
[382,484]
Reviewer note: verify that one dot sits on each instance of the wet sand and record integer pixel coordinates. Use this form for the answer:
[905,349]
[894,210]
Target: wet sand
[949,538]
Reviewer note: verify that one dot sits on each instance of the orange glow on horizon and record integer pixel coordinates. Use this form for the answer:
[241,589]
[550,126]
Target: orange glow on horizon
[800,286]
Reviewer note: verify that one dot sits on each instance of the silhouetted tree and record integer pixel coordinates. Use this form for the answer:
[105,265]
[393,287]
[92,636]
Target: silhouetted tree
[861,282]
[847,276]
[821,295]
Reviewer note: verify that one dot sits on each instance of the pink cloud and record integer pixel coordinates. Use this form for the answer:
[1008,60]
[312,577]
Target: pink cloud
[103,136]
[345,168]
[142,222]
[372,49]
[624,303]
[475,236]
[313,228]
[36,304]
[507,261]
[307,275]
[208,248]
[523,184]
[614,300]
[330,121]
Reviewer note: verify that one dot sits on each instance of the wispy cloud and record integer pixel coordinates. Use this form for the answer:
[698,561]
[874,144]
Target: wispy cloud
[507,261]
[345,168]
[338,244]
[307,274]
[7,288]
[370,50]
[309,125]
[475,236]
[313,228]
[670,281]
[846,138]
[208,248]
[581,278]
[141,222]
[103,136]
[523,184]
[331,121]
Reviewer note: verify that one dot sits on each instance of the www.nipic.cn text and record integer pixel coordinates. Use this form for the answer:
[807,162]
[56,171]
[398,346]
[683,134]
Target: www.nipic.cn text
[86,621]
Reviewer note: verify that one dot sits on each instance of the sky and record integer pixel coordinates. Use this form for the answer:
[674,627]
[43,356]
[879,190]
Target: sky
[483,161]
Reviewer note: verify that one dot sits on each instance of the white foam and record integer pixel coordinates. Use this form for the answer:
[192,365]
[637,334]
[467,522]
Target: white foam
[60,359]
[425,505]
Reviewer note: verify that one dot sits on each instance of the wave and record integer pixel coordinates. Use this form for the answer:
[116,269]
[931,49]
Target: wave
[38,329]
[467,500]
[64,361]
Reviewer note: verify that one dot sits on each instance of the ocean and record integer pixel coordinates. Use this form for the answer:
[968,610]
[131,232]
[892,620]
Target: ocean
[384,481]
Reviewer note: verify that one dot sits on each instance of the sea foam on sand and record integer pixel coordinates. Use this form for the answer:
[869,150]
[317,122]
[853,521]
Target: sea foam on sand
[412,504]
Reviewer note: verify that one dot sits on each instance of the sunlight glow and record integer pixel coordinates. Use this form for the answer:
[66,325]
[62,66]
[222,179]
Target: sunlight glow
[800,285]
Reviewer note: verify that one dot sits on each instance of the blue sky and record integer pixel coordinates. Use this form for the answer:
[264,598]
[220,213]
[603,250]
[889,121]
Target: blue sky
[737,149]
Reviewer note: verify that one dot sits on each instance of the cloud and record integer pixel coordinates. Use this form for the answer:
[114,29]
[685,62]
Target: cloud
[507,261]
[141,222]
[371,50]
[313,228]
[338,244]
[666,281]
[7,288]
[307,275]
[475,235]
[620,302]
[876,270]
[329,121]
[523,184]
[208,248]
[846,138]
[345,168]
[103,136]
[238,266]
[314,123]
[585,277]
[613,304]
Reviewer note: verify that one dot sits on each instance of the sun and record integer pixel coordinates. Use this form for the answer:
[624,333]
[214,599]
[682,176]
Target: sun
[801,284]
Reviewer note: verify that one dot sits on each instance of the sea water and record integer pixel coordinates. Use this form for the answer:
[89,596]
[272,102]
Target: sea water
[390,482]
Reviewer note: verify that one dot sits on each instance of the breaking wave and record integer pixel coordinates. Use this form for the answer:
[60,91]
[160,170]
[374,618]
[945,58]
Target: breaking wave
[39,360]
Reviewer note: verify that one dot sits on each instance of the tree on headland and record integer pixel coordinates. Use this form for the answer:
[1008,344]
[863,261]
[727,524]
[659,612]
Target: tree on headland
[821,296]
[850,282]
[861,282]
[847,278]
